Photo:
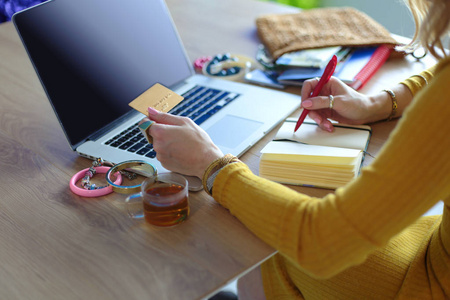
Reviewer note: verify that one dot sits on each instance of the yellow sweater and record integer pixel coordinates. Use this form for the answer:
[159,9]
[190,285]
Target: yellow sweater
[368,239]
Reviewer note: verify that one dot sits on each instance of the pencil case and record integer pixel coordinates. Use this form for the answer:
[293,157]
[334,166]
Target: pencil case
[318,28]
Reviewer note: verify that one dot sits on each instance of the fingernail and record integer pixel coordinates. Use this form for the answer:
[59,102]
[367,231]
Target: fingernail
[307,103]
[152,111]
[328,127]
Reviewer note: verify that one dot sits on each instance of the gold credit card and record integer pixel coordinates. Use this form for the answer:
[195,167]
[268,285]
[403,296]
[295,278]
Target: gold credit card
[159,97]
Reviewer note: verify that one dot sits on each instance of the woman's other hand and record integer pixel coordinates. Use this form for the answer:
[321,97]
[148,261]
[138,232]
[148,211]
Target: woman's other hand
[349,107]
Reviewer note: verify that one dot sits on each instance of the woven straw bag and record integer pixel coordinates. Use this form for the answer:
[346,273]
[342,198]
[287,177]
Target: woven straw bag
[321,27]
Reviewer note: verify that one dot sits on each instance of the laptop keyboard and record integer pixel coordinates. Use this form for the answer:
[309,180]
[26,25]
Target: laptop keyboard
[132,140]
[199,104]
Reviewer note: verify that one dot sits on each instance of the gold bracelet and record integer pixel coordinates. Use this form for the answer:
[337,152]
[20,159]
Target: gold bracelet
[394,104]
[215,166]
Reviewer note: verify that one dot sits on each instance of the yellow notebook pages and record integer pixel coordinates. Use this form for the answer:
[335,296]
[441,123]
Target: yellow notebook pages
[314,157]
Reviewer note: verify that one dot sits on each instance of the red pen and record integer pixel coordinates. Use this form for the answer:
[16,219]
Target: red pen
[329,70]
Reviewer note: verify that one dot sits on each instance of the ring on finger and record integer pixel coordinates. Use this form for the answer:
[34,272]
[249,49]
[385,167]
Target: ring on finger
[144,129]
[331,98]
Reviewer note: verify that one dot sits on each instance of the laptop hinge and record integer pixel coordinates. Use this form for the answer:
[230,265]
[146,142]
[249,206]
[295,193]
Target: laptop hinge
[178,85]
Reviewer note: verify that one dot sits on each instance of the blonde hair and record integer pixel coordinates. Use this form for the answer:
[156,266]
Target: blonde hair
[432,18]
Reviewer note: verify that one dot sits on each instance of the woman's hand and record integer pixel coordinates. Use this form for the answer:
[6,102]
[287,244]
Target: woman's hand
[350,107]
[181,145]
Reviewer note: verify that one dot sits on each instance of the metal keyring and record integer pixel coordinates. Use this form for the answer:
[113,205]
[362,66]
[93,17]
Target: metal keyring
[140,166]
[419,57]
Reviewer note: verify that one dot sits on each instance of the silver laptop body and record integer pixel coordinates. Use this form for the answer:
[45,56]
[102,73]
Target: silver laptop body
[93,57]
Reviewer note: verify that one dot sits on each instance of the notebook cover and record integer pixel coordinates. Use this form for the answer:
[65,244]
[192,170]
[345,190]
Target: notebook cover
[378,58]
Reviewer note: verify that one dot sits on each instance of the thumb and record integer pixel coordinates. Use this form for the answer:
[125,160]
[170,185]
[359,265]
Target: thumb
[163,118]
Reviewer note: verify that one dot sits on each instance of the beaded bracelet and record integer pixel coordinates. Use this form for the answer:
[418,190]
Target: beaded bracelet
[214,168]
[90,190]
[85,182]
[394,104]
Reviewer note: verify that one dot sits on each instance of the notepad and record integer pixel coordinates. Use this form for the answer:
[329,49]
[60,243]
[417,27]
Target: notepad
[314,157]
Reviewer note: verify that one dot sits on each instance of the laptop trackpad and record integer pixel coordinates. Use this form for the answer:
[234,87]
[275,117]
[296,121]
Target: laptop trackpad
[230,131]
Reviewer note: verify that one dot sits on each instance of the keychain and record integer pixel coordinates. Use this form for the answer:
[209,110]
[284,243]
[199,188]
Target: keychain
[92,190]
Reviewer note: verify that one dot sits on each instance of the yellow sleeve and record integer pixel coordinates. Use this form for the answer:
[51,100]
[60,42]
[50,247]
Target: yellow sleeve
[416,82]
[326,236]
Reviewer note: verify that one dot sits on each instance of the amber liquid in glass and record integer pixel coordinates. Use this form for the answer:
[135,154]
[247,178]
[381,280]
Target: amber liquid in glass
[173,210]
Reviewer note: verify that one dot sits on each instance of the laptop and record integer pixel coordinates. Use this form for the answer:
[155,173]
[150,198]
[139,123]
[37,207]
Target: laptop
[93,57]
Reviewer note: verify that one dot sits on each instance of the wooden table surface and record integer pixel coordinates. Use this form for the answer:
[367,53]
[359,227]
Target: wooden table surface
[56,245]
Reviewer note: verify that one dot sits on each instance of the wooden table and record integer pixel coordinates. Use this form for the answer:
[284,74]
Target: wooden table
[56,245]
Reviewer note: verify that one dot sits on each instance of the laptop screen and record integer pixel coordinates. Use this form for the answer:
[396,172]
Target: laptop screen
[95,56]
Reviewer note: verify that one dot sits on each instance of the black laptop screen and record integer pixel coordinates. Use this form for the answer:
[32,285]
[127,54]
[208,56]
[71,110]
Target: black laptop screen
[95,56]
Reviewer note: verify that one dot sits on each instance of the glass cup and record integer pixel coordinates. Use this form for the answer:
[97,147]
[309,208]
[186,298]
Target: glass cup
[163,200]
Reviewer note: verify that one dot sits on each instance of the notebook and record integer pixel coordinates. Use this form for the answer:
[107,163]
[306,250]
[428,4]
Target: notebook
[309,58]
[362,64]
[314,157]
[93,57]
